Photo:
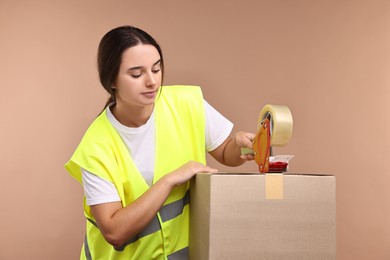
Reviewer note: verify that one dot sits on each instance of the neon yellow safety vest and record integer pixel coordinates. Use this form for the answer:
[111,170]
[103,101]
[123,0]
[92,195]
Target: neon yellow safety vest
[180,137]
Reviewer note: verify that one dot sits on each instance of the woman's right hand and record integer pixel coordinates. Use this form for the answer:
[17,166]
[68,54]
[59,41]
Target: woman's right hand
[187,171]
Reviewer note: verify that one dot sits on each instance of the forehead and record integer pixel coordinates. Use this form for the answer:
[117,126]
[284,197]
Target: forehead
[140,55]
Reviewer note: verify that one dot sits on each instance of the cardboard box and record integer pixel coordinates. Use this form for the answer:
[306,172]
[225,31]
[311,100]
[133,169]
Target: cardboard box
[256,216]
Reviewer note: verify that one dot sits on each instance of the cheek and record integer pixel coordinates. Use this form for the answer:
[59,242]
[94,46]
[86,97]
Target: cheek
[126,83]
[126,86]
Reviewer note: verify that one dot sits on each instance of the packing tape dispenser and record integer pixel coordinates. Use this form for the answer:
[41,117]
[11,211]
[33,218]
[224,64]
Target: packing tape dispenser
[275,126]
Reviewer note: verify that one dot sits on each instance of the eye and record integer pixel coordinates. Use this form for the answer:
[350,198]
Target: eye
[156,70]
[136,75]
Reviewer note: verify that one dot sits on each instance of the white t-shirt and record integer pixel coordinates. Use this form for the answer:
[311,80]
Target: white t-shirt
[140,142]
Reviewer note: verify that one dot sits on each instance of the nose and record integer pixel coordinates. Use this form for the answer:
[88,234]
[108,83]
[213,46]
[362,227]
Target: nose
[151,80]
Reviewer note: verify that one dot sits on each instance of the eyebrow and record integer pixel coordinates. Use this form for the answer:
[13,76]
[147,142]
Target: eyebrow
[140,67]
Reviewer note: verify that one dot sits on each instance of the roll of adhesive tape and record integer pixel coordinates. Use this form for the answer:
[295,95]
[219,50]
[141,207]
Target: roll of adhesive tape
[281,122]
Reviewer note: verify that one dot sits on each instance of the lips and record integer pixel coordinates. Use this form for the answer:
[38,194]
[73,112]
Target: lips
[149,94]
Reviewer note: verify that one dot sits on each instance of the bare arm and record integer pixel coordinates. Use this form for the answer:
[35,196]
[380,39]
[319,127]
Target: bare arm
[229,152]
[119,224]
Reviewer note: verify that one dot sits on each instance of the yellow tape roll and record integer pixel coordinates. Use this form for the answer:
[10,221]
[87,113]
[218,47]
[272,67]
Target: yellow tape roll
[281,123]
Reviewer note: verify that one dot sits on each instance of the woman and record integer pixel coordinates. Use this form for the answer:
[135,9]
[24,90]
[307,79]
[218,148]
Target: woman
[137,157]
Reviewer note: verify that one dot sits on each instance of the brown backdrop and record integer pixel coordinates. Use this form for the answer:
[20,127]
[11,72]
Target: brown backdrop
[329,61]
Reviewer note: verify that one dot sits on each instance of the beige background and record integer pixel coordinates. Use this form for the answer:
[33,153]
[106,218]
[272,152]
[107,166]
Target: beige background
[329,61]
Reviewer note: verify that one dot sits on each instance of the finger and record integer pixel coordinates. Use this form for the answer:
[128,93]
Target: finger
[250,157]
[245,139]
[247,157]
[209,169]
[247,143]
[250,136]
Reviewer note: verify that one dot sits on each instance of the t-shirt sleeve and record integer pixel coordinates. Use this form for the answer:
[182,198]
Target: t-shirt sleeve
[98,190]
[218,127]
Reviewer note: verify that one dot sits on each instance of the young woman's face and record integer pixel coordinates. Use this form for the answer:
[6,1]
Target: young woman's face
[139,77]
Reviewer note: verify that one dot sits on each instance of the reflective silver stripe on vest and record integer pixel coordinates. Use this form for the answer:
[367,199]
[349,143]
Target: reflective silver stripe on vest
[182,254]
[86,249]
[174,209]
[167,212]
[153,226]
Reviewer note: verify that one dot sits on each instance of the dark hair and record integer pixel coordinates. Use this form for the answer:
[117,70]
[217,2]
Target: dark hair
[110,51]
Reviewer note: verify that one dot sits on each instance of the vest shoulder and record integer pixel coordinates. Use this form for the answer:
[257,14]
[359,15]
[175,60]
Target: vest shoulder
[182,92]
[181,89]
[100,124]
[99,130]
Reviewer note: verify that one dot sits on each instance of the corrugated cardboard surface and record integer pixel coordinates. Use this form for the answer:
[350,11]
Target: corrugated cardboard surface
[232,217]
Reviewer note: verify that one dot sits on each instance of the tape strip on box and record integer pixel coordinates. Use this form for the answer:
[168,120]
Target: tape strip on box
[273,186]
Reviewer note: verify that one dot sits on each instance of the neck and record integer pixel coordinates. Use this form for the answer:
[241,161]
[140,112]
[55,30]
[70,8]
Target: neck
[134,116]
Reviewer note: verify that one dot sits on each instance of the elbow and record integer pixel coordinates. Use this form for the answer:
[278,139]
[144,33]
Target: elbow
[113,225]
[112,239]
[116,241]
